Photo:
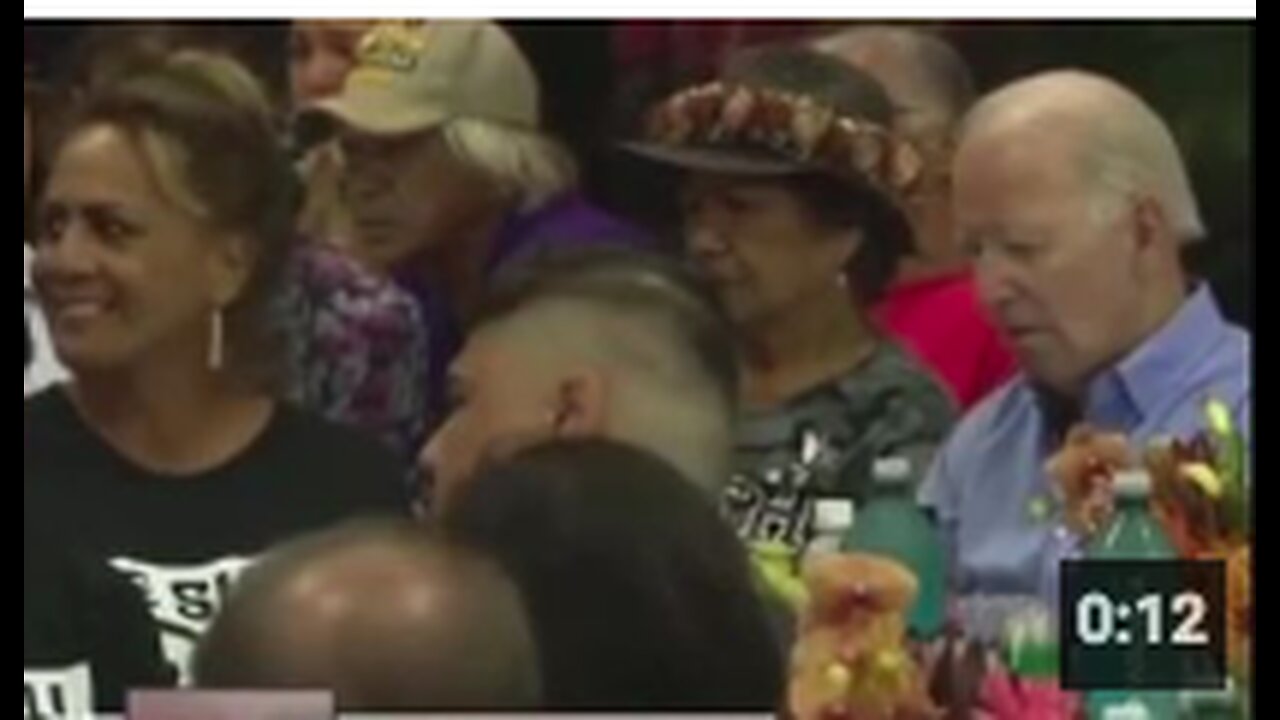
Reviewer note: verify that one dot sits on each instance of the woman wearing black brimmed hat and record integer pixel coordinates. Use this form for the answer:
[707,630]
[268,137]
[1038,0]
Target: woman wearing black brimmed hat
[791,207]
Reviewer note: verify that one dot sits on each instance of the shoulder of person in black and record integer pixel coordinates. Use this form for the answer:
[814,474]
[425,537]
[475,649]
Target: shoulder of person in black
[345,460]
[298,454]
[76,611]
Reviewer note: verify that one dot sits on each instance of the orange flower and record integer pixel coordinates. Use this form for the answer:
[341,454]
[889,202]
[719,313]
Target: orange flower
[1083,470]
[850,661]
[1240,611]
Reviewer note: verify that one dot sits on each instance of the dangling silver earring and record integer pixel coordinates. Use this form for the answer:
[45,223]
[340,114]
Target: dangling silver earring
[216,341]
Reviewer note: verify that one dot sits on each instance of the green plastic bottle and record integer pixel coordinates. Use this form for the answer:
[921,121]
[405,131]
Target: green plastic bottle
[1132,534]
[893,525]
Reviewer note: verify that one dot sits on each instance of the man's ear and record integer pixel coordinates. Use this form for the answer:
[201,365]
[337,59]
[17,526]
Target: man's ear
[1149,223]
[582,401]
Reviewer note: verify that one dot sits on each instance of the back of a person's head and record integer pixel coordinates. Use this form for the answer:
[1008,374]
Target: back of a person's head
[928,80]
[653,326]
[639,593]
[812,74]
[382,614]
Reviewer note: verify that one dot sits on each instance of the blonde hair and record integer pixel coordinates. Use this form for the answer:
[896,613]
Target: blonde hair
[171,159]
[527,166]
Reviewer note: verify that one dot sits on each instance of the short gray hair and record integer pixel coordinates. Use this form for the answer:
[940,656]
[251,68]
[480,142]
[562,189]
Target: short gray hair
[655,322]
[1128,152]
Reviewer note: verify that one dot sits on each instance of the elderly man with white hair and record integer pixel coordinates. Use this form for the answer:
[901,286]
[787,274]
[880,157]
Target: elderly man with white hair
[1073,199]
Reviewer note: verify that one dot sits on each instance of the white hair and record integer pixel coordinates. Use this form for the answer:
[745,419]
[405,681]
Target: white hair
[1127,153]
[1124,147]
[528,166]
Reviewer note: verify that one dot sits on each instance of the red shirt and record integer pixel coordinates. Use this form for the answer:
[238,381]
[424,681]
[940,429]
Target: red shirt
[940,321]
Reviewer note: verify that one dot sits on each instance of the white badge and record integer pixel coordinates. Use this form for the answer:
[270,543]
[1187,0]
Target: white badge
[57,694]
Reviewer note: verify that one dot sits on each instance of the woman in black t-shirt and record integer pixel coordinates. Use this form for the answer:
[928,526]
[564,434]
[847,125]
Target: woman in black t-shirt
[163,225]
[86,634]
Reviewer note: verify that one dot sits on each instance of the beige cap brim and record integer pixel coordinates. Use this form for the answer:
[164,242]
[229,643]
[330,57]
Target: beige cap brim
[377,113]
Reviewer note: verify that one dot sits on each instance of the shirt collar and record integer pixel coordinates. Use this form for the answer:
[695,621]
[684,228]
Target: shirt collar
[1144,377]
[1139,384]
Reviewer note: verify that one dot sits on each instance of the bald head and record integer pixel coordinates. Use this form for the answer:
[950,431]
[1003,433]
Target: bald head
[385,616]
[926,78]
[1120,146]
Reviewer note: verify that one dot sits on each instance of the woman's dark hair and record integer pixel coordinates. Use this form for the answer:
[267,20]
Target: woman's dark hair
[837,202]
[886,234]
[214,127]
[640,595]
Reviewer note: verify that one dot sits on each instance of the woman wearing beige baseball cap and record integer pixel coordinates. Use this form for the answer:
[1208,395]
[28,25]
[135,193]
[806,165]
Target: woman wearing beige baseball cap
[449,177]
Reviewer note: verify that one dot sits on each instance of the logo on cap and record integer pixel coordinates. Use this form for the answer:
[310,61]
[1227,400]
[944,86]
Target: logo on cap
[393,47]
